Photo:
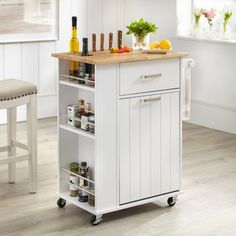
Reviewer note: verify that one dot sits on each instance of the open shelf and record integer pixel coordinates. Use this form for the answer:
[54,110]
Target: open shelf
[77,131]
[67,82]
[75,201]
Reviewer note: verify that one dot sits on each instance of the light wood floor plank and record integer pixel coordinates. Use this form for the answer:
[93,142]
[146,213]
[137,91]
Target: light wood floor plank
[207,207]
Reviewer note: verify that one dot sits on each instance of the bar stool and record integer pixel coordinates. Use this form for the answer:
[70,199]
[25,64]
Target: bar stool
[14,93]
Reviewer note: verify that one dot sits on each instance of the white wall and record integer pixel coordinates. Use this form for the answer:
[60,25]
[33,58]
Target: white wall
[33,61]
[214,79]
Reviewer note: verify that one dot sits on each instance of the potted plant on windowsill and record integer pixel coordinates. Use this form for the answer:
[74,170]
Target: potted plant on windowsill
[140,31]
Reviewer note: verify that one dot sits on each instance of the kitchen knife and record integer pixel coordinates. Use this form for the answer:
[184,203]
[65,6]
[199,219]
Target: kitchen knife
[110,40]
[94,42]
[119,38]
[102,42]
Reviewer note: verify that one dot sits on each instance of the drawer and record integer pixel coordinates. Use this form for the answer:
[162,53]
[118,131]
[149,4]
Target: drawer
[148,76]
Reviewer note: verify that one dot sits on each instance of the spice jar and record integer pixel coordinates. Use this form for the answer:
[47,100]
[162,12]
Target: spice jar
[74,167]
[85,117]
[79,113]
[91,198]
[92,124]
[83,171]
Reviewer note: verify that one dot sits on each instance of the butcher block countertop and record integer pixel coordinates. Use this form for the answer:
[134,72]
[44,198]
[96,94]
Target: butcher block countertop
[105,57]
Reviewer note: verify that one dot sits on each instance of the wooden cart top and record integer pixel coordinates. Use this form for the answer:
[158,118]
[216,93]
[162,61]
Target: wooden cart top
[105,57]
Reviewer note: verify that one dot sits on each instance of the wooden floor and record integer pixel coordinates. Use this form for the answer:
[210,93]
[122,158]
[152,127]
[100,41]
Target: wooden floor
[207,206]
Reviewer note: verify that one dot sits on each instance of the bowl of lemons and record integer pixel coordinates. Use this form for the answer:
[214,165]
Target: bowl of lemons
[162,47]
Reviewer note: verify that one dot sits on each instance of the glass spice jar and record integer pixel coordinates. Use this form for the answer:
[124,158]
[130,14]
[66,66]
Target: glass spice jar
[83,171]
[92,124]
[78,114]
[91,198]
[74,167]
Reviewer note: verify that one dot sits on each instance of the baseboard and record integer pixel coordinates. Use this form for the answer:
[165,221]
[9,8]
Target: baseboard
[213,116]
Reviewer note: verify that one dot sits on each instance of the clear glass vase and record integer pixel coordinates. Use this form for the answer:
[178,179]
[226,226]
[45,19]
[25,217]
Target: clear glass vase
[140,42]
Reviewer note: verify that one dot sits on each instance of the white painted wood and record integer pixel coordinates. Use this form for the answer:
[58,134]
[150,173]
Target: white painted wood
[175,141]
[12,61]
[30,62]
[165,143]
[1,62]
[32,141]
[64,25]
[47,78]
[79,9]
[124,150]
[106,139]
[145,130]
[149,148]
[135,145]
[164,74]
[11,132]
[155,146]
[95,19]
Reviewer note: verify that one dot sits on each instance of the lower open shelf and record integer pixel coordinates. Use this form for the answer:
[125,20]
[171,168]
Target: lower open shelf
[74,200]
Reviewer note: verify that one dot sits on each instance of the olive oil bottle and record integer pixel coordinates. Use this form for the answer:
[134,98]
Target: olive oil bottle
[74,47]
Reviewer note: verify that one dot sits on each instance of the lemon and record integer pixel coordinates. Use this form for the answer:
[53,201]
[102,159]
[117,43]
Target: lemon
[165,44]
[154,45]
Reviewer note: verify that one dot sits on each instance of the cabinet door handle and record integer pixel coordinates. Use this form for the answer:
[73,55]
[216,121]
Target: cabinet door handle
[150,99]
[153,76]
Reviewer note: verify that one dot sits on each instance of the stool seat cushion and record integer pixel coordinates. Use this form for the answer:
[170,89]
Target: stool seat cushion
[13,89]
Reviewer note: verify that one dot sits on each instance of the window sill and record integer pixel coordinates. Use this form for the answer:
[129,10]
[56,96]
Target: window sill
[216,40]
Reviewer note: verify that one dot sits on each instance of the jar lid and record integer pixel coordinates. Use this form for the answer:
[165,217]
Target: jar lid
[83,163]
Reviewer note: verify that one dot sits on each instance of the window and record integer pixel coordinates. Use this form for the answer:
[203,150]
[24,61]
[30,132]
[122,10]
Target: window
[28,20]
[207,19]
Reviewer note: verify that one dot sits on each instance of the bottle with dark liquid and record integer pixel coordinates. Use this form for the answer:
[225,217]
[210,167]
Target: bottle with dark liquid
[74,47]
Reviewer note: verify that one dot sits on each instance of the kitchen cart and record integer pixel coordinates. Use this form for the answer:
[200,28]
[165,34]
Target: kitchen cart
[135,154]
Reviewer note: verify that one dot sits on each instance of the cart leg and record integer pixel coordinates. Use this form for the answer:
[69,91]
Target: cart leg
[96,219]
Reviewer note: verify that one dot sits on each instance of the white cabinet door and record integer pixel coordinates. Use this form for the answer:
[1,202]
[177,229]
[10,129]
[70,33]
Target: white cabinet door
[149,146]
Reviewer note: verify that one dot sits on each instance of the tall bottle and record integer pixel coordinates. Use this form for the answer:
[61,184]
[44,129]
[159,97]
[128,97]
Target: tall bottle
[74,47]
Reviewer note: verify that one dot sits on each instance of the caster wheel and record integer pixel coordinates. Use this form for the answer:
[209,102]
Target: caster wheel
[171,201]
[95,220]
[61,202]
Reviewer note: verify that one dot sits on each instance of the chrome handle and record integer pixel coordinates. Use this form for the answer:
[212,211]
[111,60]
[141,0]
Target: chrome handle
[153,76]
[154,99]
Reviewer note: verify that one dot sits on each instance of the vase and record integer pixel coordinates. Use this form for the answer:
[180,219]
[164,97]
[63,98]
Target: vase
[140,42]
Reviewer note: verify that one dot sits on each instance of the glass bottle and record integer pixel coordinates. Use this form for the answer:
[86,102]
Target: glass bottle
[74,167]
[74,47]
[83,171]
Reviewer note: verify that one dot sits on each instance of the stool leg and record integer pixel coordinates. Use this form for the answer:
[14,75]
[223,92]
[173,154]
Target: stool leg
[32,141]
[11,133]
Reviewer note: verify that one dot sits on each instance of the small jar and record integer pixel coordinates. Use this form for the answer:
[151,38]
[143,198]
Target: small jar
[86,77]
[91,198]
[91,124]
[83,171]
[74,167]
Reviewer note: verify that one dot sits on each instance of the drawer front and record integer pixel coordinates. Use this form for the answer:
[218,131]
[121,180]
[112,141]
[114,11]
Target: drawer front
[140,77]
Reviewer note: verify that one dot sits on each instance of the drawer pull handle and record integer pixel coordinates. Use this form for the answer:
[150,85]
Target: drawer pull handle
[147,77]
[150,99]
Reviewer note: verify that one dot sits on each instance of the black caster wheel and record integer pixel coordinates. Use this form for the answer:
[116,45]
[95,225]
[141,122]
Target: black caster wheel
[61,202]
[171,201]
[95,220]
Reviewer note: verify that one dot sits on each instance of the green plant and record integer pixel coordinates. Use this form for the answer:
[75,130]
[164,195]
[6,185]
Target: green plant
[141,28]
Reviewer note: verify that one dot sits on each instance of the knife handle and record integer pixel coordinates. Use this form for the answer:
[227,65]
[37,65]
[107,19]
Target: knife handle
[119,38]
[94,42]
[102,42]
[110,40]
